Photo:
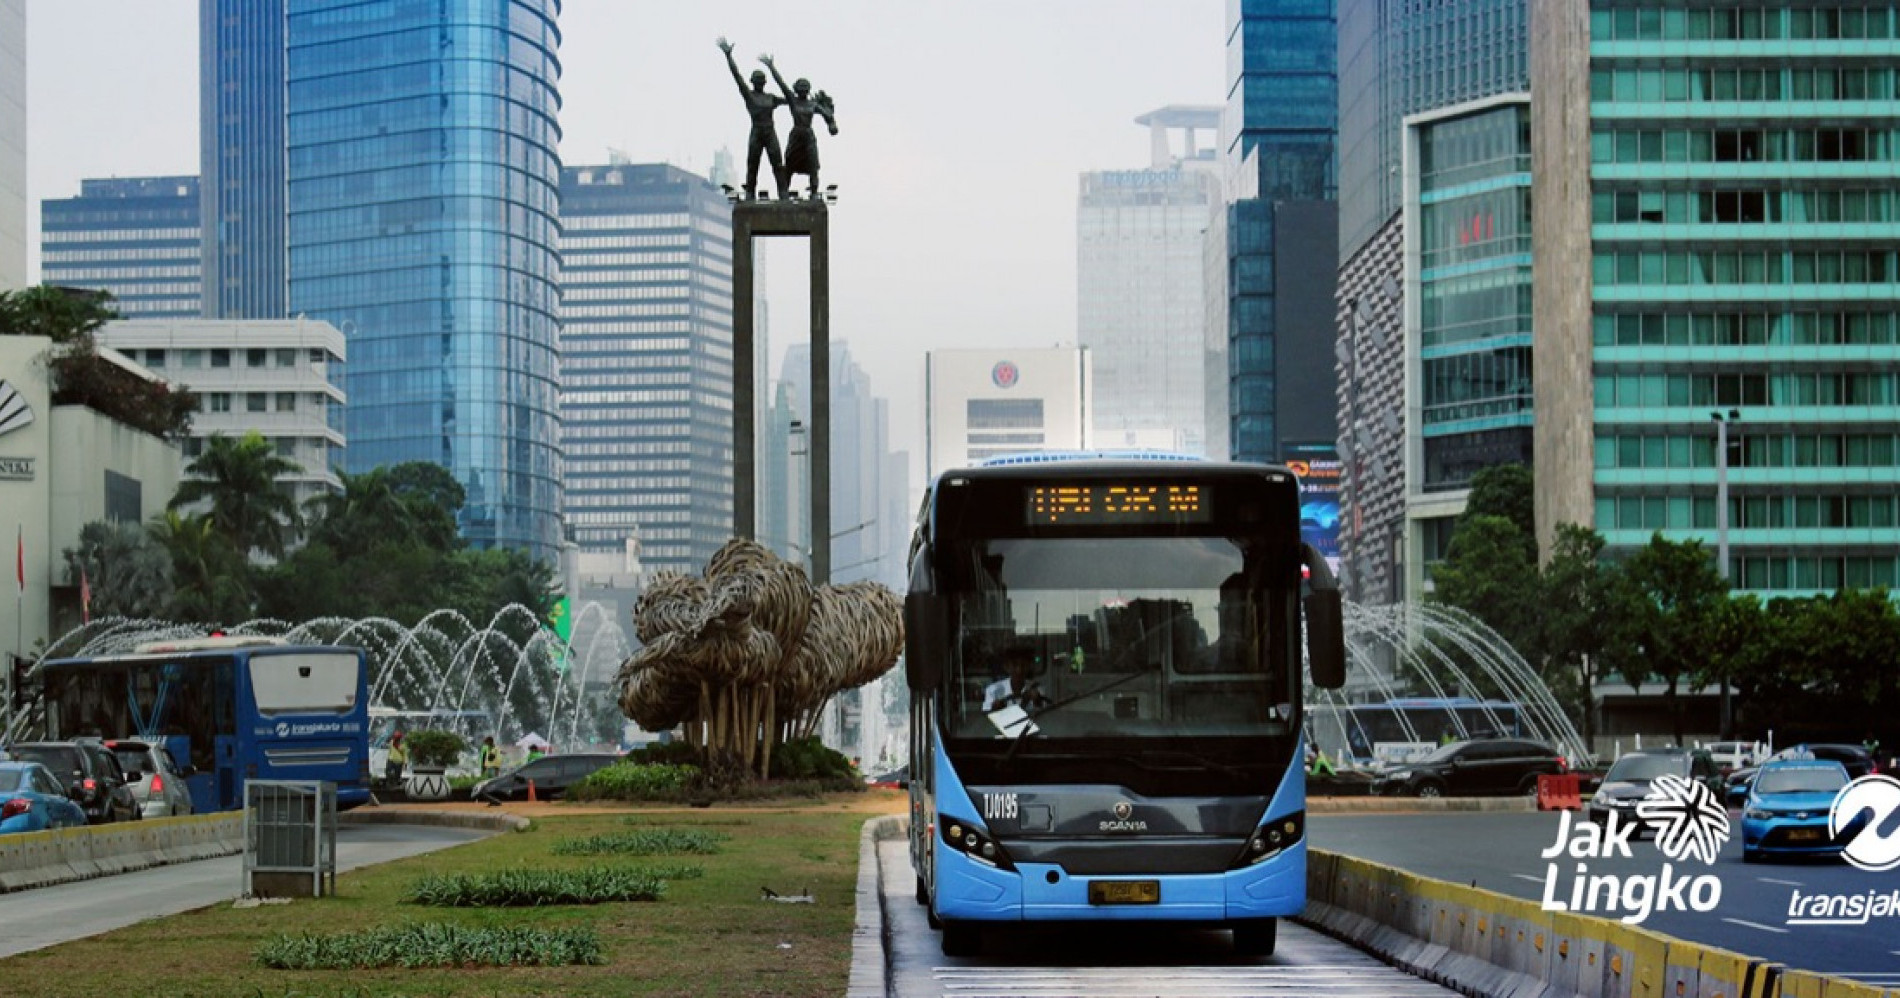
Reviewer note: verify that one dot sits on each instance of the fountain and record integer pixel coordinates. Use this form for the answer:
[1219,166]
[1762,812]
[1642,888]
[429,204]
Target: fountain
[445,663]
[1424,650]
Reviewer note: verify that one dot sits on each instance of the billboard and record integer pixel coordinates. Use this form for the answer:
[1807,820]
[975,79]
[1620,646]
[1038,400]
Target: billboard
[1318,468]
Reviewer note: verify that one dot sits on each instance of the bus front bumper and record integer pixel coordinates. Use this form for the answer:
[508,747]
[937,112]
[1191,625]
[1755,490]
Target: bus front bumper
[968,890]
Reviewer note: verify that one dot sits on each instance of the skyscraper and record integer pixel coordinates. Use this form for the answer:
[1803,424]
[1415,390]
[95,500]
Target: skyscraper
[241,157]
[423,183]
[12,143]
[870,534]
[1141,293]
[646,358]
[1716,211]
[136,237]
[1282,106]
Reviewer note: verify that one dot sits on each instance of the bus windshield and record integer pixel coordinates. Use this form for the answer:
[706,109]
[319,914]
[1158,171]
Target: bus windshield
[1126,637]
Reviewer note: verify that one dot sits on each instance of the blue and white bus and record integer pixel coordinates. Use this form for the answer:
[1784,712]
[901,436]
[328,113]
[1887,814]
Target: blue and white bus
[1104,659]
[231,708]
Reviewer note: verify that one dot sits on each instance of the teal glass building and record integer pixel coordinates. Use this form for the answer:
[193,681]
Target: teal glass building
[422,194]
[1744,203]
[241,157]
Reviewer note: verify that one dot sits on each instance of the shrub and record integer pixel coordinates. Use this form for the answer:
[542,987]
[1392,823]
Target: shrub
[674,753]
[643,842]
[532,888]
[431,944]
[809,759]
[431,748]
[633,781]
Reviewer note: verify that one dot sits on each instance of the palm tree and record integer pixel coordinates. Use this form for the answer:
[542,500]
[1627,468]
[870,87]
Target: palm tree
[210,579]
[128,573]
[367,513]
[239,477]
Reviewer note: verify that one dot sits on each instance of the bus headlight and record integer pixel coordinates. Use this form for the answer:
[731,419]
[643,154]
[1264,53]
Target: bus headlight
[1271,839]
[976,845]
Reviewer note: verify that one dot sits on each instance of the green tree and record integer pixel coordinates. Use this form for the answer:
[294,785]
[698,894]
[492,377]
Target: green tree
[127,571]
[77,375]
[210,579]
[1675,619]
[1577,588]
[1505,490]
[239,477]
[1490,572]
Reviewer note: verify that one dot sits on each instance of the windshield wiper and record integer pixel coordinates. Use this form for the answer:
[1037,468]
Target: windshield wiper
[1028,722]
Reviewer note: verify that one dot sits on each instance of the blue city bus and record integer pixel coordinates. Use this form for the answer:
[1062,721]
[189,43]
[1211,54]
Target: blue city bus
[231,708]
[1104,659]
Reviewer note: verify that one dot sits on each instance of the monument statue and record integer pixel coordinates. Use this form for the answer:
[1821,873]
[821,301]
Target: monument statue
[764,139]
[801,147]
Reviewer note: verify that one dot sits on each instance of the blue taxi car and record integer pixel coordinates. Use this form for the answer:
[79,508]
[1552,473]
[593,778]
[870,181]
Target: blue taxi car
[1787,810]
[31,800]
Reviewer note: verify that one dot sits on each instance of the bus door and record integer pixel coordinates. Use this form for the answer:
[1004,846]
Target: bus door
[225,755]
[200,783]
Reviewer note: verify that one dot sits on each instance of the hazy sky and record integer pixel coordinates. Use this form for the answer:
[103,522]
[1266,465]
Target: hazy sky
[963,127]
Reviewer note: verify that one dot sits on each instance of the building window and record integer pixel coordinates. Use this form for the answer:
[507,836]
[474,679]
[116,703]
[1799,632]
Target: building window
[123,499]
[220,358]
[287,357]
[1004,414]
[193,358]
[256,402]
[218,402]
[286,402]
[154,358]
[256,357]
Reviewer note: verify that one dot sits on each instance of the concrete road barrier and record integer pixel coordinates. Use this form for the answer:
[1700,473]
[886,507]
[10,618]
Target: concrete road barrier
[1484,943]
[41,859]
[1361,805]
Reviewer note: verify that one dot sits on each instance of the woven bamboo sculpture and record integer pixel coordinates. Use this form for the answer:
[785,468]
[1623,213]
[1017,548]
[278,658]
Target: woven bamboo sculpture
[750,654]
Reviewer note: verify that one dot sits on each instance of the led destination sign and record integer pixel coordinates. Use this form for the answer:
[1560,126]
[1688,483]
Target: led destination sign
[1083,505]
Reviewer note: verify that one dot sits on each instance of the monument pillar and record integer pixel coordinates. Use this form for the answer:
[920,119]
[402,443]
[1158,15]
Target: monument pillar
[753,220]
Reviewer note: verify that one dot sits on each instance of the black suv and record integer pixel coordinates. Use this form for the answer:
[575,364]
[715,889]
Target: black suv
[91,775]
[1484,766]
[1629,779]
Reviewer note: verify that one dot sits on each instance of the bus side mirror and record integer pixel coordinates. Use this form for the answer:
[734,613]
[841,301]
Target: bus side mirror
[925,639]
[1326,638]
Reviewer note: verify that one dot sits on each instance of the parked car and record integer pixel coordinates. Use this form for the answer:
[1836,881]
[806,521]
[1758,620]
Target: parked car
[1629,779]
[90,773]
[156,780]
[32,800]
[552,775]
[1737,755]
[1787,808]
[1473,768]
[1856,760]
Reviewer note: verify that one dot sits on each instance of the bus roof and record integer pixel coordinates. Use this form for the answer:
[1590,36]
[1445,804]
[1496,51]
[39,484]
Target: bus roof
[1052,456]
[218,643]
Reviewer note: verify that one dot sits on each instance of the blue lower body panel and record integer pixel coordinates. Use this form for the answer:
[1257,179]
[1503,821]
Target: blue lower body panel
[966,889]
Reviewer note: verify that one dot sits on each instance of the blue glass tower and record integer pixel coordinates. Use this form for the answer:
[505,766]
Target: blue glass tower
[241,157]
[1282,109]
[423,184]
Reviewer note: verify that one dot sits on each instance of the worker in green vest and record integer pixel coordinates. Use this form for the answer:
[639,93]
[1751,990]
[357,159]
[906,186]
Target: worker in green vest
[398,758]
[491,758]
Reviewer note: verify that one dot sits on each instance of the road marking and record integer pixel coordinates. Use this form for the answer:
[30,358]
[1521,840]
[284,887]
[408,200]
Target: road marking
[1784,883]
[1526,876]
[1757,925]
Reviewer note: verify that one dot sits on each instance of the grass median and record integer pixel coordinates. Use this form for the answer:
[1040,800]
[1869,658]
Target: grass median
[707,935]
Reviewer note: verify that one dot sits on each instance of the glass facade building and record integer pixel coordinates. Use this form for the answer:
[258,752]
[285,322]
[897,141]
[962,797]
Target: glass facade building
[422,192]
[1741,266]
[12,144]
[241,49]
[136,237]
[646,362]
[1279,125]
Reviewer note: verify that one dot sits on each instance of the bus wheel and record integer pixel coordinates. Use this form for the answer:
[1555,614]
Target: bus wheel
[962,939]
[923,892]
[930,914]
[1255,937]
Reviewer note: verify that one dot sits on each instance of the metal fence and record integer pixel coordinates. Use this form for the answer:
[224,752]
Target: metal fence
[289,838]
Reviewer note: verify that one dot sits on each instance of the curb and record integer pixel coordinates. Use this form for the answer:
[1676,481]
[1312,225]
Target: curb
[871,933]
[444,819]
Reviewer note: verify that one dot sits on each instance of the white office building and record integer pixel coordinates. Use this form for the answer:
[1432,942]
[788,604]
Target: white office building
[280,377]
[980,404]
[12,144]
[1142,290]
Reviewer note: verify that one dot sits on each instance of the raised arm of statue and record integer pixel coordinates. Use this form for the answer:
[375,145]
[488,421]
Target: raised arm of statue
[726,47]
[782,87]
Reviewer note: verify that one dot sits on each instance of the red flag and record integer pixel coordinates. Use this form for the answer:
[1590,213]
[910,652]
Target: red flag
[85,596]
[19,558]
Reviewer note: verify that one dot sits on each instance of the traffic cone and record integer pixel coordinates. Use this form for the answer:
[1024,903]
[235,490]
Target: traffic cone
[531,798]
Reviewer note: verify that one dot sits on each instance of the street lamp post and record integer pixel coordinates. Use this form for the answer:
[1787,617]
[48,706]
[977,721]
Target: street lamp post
[1722,421]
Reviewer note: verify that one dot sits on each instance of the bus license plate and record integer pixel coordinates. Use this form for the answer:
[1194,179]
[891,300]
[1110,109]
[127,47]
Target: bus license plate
[1124,892]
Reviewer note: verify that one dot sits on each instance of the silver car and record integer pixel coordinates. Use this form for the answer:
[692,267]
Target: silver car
[155,779]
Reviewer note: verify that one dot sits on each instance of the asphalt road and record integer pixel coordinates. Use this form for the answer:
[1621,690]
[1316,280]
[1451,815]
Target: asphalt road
[1500,852]
[1112,961]
[47,916]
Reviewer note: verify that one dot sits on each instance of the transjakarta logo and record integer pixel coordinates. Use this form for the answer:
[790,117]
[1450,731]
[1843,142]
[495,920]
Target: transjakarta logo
[285,729]
[1689,823]
[1870,849]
